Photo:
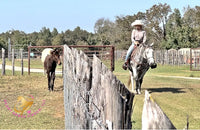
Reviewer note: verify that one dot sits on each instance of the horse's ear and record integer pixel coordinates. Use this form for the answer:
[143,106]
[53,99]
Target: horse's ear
[151,44]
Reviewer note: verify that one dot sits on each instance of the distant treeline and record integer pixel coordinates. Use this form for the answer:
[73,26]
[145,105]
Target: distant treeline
[166,28]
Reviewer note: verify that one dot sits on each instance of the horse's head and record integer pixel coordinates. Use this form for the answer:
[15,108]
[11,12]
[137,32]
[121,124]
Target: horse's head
[148,54]
[56,53]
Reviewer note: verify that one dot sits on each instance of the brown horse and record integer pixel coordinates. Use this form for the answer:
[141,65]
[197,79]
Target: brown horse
[50,64]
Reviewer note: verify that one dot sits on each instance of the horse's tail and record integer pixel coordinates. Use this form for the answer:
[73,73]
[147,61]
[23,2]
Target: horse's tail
[129,81]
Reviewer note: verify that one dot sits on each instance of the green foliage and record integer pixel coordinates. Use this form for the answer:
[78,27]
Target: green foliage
[2,44]
[166,28]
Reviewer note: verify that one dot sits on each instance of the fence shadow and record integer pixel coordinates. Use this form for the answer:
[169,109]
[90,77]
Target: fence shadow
[59,88]
[161,90]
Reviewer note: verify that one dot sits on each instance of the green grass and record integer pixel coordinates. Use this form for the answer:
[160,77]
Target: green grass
[177,97]
[34,63]
[52,114]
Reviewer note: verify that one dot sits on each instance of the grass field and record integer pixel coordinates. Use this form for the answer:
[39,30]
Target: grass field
[177,97]
[51,115]
[34,63]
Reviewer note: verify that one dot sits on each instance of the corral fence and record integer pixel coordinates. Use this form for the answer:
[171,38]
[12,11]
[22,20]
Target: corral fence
[105,53]
[195,59]
[120,54]
[172,57]
[183,56]
[3,67]
[93,97]
[33,54]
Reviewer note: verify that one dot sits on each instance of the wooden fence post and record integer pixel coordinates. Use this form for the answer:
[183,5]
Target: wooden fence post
[3,71]
[163,56]
[13,62]
[22,63]
[112,53]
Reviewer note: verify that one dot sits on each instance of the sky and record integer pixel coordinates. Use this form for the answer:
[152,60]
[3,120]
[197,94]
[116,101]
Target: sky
[32,15]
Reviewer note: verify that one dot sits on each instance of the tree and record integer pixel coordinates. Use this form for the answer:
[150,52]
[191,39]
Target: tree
[156,19]
[33,37]
[58,40]
[54,32]
[104,29]
[174,31]
[46,36]
[2,44]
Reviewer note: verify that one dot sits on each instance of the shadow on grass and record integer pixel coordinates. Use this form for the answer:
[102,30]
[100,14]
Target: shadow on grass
[59,88]
[161,90]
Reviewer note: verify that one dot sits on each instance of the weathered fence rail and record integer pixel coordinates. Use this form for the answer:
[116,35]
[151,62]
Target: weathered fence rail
[94,98]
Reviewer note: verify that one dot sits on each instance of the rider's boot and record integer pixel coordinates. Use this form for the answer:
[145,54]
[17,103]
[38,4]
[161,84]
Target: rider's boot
[125,65]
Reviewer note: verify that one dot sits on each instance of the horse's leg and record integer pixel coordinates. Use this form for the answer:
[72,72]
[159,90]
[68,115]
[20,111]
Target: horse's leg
[132,83]
[141,80]
[49,80]
[52,80]
[138,86]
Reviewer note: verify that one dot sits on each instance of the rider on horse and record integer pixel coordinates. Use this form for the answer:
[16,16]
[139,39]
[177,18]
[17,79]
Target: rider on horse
[138,37]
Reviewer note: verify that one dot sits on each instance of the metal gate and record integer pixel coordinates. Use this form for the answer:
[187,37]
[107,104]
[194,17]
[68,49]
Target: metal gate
[105,53]
[195,59]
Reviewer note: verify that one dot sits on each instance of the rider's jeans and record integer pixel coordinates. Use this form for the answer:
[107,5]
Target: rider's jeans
[130,50]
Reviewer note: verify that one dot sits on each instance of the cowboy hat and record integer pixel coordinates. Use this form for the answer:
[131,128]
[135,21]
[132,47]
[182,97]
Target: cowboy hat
[137,22]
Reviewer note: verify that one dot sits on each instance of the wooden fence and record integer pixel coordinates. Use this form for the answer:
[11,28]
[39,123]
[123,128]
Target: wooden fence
[93,97]
[3,55]
[172,57]
[169,57]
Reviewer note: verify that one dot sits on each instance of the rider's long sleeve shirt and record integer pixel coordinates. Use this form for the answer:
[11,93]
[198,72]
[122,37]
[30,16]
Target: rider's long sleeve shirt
[139,36]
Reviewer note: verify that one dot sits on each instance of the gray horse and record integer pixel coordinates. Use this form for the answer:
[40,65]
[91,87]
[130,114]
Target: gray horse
[141,60]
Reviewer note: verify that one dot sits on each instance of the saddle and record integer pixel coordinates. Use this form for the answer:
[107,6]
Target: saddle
[132,57]
[134,50]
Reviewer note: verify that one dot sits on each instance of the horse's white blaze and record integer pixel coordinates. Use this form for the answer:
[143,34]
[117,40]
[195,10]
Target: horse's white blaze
[46,52]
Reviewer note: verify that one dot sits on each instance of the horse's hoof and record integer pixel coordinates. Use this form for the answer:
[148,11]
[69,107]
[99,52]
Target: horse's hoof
[135,92]
[138,92]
